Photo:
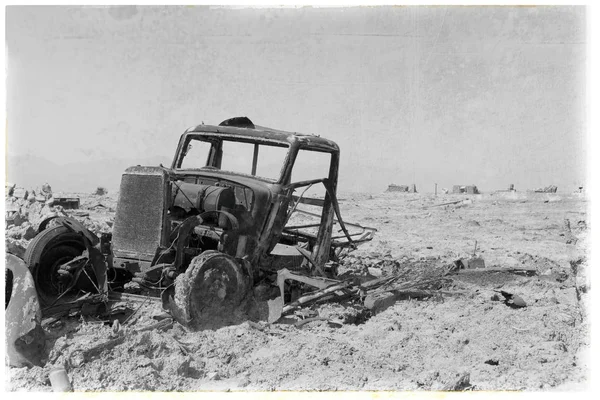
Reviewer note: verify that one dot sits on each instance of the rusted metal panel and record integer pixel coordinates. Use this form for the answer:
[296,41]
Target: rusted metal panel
[25,339]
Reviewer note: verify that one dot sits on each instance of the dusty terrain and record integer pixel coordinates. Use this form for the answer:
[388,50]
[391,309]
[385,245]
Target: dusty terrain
[412,345]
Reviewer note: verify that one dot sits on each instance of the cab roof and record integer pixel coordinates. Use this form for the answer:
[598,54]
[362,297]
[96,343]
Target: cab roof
[262,134]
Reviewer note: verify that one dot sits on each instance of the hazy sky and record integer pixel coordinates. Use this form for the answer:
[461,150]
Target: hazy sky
[453,95]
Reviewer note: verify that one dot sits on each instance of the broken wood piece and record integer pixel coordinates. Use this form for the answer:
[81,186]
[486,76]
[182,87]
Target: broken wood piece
[374,283]
[132,297]
[99,348]
[378,302]
[523,271]
[445,204]
[159,325]
[314,296]
[303,322]
[64,307]
[406,285]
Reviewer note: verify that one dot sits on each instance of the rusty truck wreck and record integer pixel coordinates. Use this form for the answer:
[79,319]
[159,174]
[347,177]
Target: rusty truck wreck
[204,232]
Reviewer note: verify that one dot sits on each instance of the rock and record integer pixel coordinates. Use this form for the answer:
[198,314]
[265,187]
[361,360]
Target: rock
[14,247]
[380,302]
[462,383]
[184,368]
[517,301]
[476,262]
[28,232]
[46,189]
[213,376]
[14,218]
[76,359]
[20,193]
[14,232]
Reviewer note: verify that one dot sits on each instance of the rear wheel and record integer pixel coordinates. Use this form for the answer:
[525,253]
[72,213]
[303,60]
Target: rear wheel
[211,293]
[45,255]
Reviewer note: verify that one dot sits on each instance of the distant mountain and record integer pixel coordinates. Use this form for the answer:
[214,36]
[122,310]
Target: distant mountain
[32,171]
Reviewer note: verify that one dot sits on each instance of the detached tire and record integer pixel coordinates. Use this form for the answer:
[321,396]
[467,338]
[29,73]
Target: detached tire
[211,292]
[46,253]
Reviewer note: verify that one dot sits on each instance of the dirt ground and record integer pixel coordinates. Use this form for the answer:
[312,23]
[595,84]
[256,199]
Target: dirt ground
[425,344]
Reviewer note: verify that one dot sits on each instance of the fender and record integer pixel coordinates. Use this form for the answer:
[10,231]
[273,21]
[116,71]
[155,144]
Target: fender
[25,339]
[73,225]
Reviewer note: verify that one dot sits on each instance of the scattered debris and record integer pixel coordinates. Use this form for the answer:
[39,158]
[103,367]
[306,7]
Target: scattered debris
[512,300]
[469,263]
[60,380]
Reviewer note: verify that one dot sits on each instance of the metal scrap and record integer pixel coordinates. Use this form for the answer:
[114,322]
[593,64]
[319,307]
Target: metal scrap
[25,338]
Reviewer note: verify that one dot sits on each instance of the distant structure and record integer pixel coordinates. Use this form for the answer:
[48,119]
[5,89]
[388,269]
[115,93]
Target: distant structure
[547,189]
[402,188]
[511,188]
[457,189]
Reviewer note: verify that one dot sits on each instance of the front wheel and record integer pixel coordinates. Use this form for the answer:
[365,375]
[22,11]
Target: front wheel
[211,292]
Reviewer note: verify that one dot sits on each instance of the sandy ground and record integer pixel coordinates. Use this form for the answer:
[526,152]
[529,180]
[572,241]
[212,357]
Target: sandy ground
[412,345]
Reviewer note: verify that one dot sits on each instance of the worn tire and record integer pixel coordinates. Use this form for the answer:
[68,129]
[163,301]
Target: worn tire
[46,252]
[211,293]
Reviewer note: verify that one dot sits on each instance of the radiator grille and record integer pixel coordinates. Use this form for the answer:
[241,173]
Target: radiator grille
[140,216]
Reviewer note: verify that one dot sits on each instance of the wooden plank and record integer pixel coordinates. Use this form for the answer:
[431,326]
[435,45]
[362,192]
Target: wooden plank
[133,297]
[524,271]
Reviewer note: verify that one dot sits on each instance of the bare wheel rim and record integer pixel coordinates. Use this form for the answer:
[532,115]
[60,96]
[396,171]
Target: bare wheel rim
[217,288]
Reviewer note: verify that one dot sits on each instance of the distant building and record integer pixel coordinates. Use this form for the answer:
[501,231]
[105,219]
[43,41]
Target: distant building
[457,189]
[547,189]
[402,188]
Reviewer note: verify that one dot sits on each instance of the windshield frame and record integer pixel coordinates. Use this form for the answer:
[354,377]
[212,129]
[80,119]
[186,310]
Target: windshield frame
[292,142]
[213,160]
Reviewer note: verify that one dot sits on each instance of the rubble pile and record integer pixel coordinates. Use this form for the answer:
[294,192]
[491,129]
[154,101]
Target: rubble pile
[27,208]
[376,264]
